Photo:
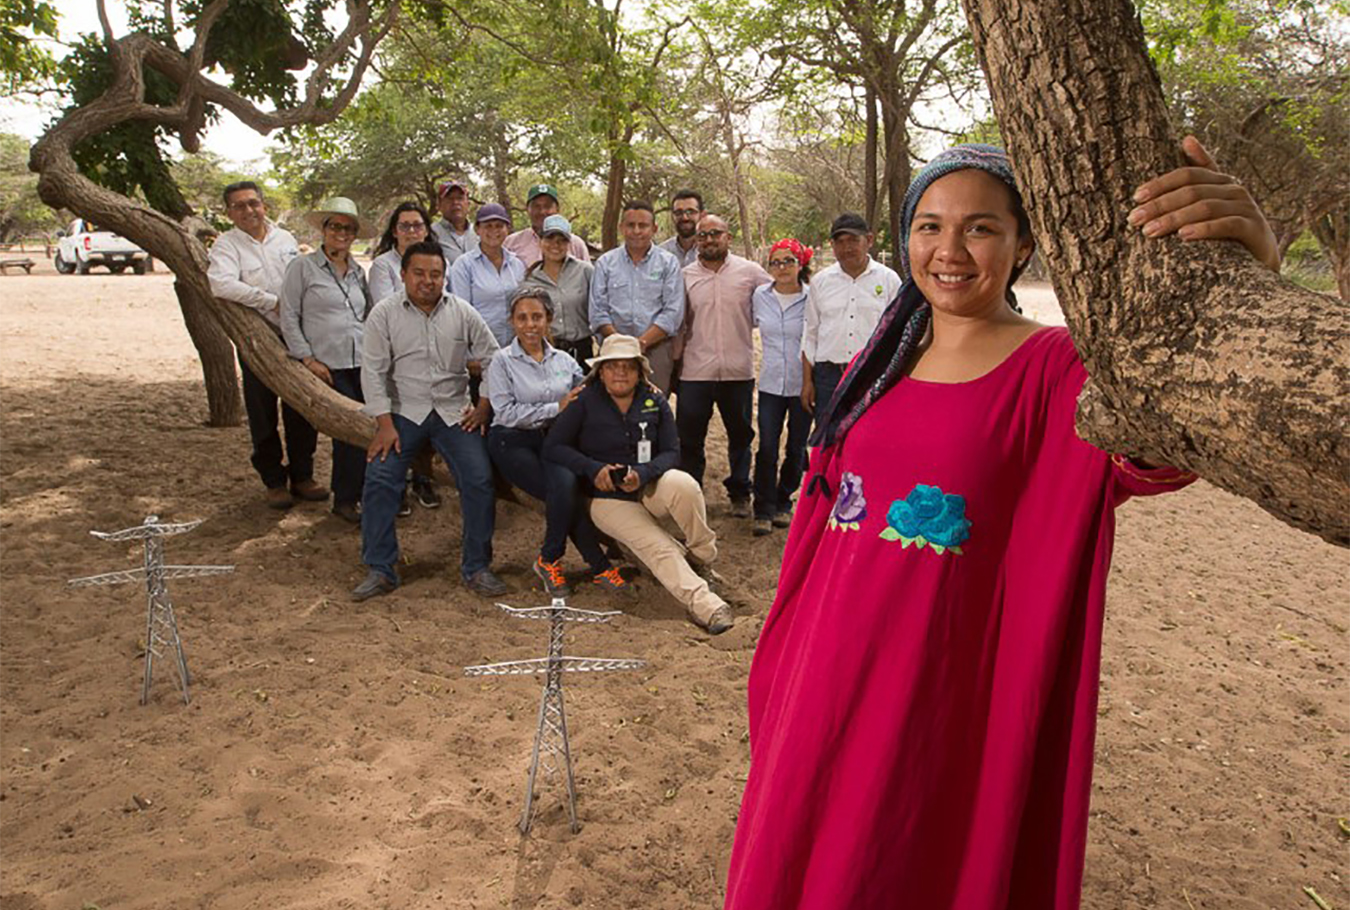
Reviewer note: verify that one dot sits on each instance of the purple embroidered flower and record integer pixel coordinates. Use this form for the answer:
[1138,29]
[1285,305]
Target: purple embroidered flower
[849,507]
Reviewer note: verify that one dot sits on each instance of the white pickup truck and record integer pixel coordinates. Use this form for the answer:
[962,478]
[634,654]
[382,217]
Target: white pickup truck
[83,245]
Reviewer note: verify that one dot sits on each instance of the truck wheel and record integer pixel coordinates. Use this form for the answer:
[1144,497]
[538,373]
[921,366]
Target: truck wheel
[117,269]
[62,267]
[139,266]
[81,265]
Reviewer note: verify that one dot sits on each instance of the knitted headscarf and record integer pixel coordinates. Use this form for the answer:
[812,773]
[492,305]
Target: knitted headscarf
[904,322]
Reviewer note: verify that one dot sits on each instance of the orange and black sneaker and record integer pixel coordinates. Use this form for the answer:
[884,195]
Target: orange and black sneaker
[551,574]
[611,580]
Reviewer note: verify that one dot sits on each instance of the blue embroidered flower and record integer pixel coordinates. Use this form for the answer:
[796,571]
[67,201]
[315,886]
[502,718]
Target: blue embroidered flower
[928,517]
[849,507]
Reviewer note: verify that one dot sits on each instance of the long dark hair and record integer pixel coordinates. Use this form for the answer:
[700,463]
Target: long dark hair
[389,240]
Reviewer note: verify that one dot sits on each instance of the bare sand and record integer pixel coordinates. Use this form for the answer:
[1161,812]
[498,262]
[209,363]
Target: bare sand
[334,756]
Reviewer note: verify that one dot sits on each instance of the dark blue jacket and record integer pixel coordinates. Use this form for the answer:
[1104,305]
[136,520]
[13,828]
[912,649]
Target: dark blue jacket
[592,433]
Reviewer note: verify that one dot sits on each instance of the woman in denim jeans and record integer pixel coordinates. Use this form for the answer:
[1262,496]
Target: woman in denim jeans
[529,383]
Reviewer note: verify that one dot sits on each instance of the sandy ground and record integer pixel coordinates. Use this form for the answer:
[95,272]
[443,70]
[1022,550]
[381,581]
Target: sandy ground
[335,756]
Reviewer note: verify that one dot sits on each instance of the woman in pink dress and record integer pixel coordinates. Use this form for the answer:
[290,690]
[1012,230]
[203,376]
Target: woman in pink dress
[923,695]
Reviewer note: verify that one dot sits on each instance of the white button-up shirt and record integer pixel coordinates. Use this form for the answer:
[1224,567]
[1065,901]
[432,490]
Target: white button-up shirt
[841,312]
[250,272]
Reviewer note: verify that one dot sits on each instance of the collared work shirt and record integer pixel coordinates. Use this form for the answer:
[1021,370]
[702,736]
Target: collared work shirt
[780,339]
[686,257]
[841,312]
[250,272]
[386,275]
[633,297]
[487,288]
[453,243]
[415,363]
[719,340]
[571,295]
[525,392]
[525,244]
[593,432]
[321,314]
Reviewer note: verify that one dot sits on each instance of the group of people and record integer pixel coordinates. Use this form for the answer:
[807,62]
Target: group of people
[480,344]
[923,693]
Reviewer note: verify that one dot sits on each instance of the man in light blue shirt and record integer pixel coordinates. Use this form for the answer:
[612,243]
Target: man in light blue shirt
[486,277]
[637,290]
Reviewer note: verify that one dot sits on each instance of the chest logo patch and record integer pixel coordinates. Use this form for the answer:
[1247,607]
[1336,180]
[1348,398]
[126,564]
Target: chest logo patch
[928,517]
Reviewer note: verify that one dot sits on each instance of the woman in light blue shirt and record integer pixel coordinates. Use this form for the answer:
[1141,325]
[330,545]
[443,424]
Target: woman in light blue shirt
[529,383]
[780,312]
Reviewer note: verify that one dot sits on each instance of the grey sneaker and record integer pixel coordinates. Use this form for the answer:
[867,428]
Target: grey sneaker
[720,621]
[763,527]
[404,505]
[783,519]
[424,488]
[485,583]
[740,508]
[375,585]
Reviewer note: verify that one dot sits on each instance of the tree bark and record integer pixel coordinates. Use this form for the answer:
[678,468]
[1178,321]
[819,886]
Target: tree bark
[225,406]
[614,181]
[870,157]
[1198,356]
[1332,230]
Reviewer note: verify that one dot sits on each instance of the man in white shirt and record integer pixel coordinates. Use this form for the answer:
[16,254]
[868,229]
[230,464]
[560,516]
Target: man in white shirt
[454,232]
[248,263]
[843,306]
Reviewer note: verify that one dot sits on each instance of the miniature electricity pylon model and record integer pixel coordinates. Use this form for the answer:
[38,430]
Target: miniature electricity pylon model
[161,628]
[550,738]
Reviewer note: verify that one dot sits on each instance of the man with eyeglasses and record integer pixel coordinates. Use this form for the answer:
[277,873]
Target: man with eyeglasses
[636,289]
[717,366]
[248,264]
[686,208]
[454,232]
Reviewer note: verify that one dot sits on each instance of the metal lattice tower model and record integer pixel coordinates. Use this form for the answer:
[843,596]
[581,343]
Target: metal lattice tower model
[550,738]
[161,628]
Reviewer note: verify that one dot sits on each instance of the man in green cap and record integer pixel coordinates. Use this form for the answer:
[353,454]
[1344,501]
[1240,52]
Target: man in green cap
[540,202]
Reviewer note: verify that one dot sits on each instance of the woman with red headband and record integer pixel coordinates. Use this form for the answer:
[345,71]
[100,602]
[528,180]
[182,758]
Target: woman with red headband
[780,311]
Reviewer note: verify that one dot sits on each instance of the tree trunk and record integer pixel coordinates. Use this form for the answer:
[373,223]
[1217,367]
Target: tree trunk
[1198,356]
[1332,230]
[618,172]
[870,157]
[897,165]
[225,406]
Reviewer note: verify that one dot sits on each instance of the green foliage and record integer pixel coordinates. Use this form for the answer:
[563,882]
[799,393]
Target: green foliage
[22,213]
[23,60]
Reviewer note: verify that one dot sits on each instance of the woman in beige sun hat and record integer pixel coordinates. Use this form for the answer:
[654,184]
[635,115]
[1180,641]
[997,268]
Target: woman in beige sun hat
[324,301]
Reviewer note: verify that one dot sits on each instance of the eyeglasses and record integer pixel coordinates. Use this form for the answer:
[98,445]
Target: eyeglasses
[339,229]
[781,263]
[410,227]
[709,235]
[685,213]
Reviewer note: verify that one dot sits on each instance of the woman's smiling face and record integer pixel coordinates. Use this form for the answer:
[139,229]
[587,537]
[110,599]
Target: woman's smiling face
[964,242]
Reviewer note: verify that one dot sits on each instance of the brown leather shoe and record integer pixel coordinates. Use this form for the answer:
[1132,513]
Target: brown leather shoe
[279,498]
[309,491]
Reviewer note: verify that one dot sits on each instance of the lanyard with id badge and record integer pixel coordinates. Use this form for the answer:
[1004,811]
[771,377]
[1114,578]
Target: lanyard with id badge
[644,446]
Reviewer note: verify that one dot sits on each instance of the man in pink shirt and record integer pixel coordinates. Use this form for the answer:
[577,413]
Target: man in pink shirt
[540,202]
[718,365]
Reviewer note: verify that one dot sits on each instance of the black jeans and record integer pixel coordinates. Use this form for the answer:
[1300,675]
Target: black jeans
[349,461]
[581,351]
[518,455]
[735,400]
[260,403]
[774,489]
[825,377]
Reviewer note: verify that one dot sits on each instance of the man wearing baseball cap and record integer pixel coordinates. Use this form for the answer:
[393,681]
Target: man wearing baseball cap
[843,306]
[540,202]
[455,234]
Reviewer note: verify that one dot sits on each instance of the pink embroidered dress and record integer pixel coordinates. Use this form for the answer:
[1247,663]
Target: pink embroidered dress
[923,695]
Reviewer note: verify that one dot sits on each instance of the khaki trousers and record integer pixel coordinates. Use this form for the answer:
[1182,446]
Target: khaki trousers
[637,526]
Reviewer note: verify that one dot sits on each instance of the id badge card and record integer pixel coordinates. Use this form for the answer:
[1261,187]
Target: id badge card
[644,446]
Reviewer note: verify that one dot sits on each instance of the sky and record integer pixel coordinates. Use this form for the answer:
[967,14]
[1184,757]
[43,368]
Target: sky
[242,148]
